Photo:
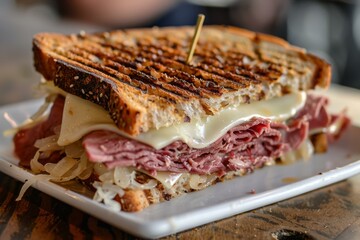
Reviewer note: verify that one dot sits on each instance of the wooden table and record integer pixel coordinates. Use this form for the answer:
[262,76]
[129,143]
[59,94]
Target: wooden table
[327,213]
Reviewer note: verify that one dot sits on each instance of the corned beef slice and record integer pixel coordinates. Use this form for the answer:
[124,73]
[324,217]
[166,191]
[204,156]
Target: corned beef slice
[246,146]
[315,111]
[25,139]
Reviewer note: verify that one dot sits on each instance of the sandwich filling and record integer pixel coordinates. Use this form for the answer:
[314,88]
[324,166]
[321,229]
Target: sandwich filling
[79,140]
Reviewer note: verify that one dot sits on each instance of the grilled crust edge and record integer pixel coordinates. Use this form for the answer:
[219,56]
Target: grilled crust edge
[93,85]
[87,83]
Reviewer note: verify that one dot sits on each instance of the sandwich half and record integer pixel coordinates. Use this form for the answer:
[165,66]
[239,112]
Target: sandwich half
[133,122]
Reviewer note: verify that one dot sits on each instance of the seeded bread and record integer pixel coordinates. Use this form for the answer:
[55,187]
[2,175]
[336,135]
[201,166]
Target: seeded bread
[140,76]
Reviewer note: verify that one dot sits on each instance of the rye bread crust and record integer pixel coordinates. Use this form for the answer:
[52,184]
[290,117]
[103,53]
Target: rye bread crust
[140,76]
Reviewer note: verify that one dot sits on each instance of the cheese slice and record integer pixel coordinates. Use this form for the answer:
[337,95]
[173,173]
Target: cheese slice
[81,117]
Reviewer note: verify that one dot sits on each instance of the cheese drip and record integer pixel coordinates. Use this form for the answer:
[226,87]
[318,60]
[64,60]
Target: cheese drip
[81,117]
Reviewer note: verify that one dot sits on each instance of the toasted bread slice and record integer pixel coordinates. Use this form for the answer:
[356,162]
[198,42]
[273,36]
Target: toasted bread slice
[140,76]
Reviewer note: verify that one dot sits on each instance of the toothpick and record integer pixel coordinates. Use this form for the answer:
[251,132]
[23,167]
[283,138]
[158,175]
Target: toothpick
[199,23]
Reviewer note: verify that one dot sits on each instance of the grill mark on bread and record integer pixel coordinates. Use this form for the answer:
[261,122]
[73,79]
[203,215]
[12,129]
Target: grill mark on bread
[162,83]
[171,82]
[203,71]
[150,53]
[127,75]
[151,76]
[233,62]
[236,65]
[230,66]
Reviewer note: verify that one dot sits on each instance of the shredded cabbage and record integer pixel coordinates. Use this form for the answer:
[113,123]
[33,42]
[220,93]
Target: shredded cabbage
[43,108]
[34,119]
[122,177]
[31,182]
[304,151]
[75,164]
[125,177]
[35,165]
[106,192]
[198,182]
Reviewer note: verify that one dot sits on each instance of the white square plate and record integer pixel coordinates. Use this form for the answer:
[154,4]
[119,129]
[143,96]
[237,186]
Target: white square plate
[220,201]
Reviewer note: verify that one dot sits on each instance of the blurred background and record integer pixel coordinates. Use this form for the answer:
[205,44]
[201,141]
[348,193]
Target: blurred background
[328,28]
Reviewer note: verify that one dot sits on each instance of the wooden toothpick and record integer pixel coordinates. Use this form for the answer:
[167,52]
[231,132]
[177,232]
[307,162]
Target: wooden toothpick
[199,23]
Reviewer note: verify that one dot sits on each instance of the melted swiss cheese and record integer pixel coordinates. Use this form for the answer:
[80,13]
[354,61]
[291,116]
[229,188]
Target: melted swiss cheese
[81,117]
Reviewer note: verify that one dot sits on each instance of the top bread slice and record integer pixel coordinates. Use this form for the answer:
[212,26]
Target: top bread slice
[141,78]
